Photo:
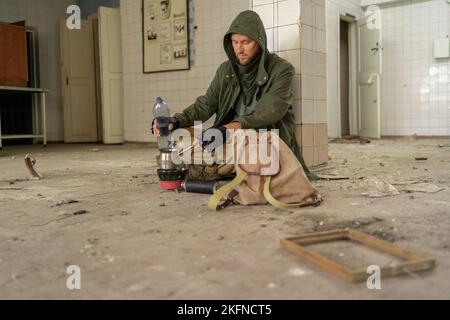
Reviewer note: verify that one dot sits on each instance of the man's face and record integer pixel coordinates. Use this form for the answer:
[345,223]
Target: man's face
[245,48]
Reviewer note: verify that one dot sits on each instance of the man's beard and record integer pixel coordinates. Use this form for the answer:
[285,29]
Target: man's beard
[244,61]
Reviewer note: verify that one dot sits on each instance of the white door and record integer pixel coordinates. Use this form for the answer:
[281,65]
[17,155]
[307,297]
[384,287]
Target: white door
[369,70]
[78,83]
[111,77]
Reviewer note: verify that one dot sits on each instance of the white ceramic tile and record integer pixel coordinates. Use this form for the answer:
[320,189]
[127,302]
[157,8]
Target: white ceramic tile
[307,91]
[320,41]
[260,2]
[307,37]
[307,108]
[320,88]
[320,111]
[293,56]
[320,64]
[288,37]
[307,62]
[266,14]
[288,12]
[270,40]
[307,12]
[320,17]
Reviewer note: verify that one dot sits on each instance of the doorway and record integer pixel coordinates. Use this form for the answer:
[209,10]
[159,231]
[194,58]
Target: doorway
[348,84]
[344,78]
[91,75]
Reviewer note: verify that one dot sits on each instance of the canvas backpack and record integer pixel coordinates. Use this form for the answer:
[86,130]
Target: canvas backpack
[278,180]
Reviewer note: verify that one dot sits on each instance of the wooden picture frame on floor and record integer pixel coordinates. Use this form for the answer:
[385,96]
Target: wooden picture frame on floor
[411,262]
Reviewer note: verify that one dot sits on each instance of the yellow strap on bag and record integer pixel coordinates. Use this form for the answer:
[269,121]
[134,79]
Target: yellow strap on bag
[213,202]
[272,200]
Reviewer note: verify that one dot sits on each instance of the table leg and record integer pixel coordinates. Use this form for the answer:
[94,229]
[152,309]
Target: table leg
[35,117]
[1,146]
[44,124]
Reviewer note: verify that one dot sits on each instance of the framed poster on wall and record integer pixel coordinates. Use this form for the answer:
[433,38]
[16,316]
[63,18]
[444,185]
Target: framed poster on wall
[165,35]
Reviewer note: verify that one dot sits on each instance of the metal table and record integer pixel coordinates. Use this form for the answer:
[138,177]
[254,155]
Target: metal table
[38,91]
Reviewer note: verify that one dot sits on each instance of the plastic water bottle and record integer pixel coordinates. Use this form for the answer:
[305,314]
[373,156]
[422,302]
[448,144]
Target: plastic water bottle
[161,113]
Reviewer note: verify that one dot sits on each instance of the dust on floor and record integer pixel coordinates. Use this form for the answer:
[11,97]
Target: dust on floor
[100,208]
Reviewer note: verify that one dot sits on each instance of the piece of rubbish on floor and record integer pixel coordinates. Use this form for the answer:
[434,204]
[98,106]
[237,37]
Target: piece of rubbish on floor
[332,176]
[296,272]
[378,188]
[350,139]
[421,158]
[410,261]
[61,201]
[30,162]
[403,182]
[421,187]
[80,212]
[363,141]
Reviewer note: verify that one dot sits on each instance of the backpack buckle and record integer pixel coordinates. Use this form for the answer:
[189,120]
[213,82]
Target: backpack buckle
[228,201]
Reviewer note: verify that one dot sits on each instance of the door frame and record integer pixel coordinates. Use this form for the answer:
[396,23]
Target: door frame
[98,91]
[354,111]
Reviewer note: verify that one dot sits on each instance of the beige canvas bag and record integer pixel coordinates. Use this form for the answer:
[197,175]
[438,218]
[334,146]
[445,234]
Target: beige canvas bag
[280,181]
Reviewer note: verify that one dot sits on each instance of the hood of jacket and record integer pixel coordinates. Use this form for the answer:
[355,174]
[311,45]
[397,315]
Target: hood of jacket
[248,23]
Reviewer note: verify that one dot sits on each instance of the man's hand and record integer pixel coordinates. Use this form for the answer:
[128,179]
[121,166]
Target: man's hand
[213,138]
[174,124]
[233,125]
[210,138]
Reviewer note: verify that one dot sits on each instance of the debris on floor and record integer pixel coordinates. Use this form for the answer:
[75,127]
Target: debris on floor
[127,236]
[30,162]
[332,176]
[61,201]
[351,139]
[327,172]
[80,212]
[378,188]
[421,187]
[296,272]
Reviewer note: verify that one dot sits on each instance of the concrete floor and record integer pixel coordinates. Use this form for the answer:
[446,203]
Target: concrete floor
[135,241]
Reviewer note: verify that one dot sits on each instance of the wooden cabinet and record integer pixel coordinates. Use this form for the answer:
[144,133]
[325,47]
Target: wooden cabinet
[13,55]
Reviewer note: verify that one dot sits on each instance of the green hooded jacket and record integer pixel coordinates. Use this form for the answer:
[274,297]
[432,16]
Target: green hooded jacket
[274,95]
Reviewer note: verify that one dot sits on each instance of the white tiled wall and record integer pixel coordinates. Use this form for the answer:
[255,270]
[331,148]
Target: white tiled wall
[45,16]
[415,87]
[280,18]
[296,31]
[313,62]
[179,88]
[335,9]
